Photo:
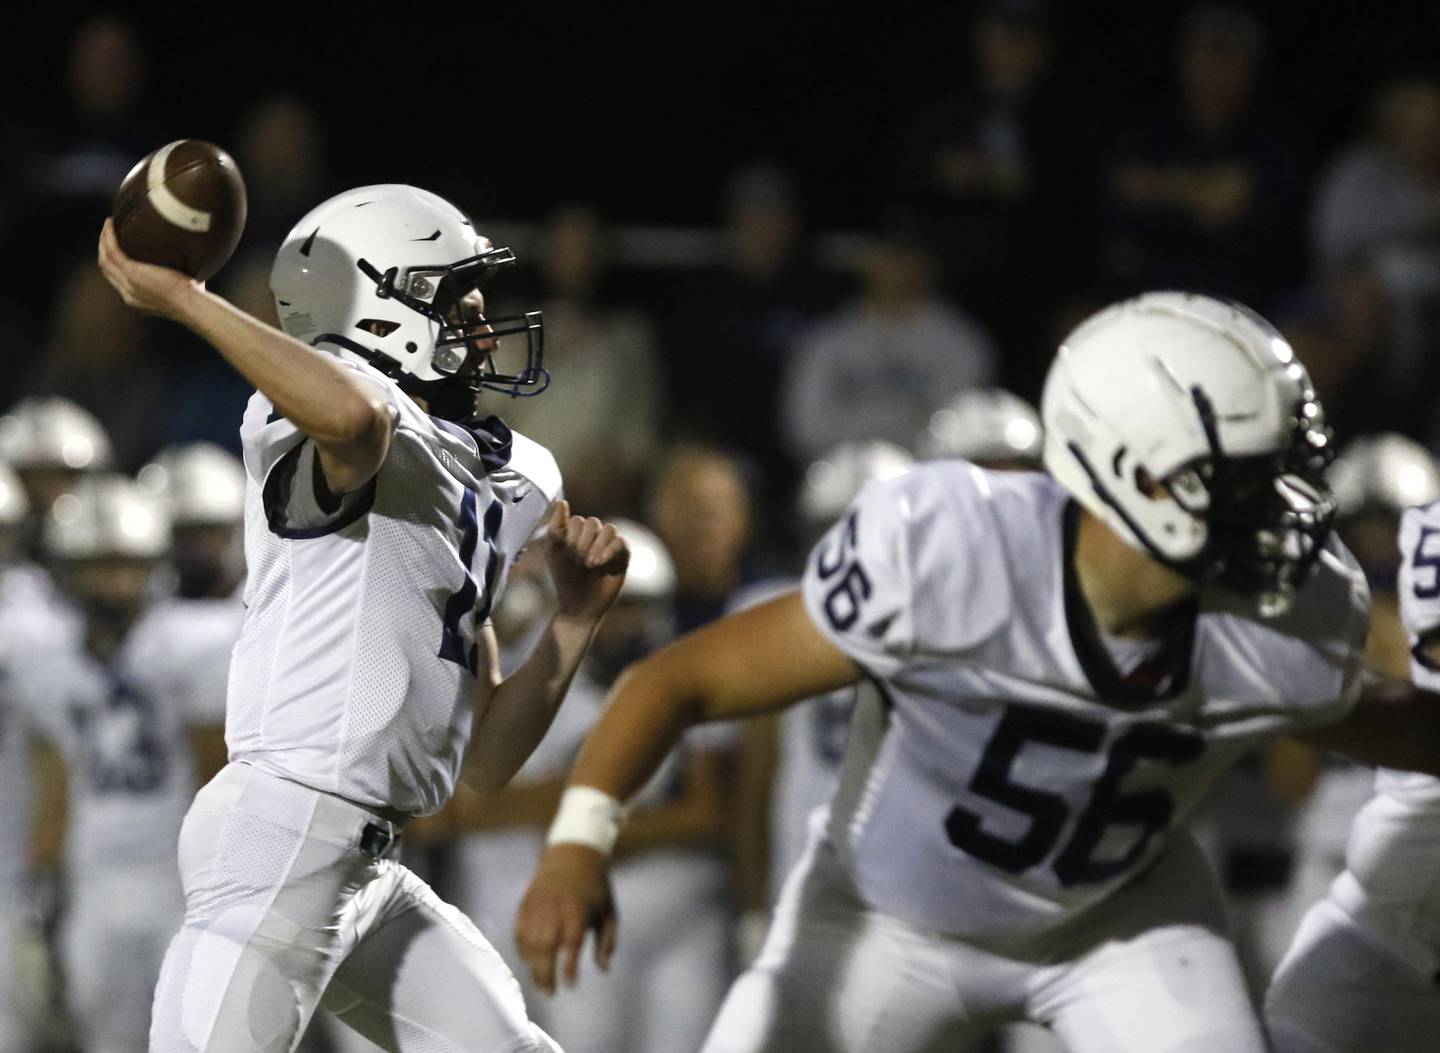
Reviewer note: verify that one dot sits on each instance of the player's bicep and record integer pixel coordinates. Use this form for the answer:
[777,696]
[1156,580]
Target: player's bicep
[760,659]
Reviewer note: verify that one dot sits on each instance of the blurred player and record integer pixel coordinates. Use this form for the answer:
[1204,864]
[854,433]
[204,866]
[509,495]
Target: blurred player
[114,694]
[1374,479]
[496,838]
[382,517]
[52,443]
[990,427]
[1067,665]
[1363,972]
[671,875]
[17,615]
[791,761]
[203,488]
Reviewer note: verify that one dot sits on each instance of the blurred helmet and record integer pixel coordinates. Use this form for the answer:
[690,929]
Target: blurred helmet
[1384,472]
[53,433]
[651,575]
[375,271]
[832,481]
[984,425]
[107,516]
[1187,425]
[14,505]
[200,483]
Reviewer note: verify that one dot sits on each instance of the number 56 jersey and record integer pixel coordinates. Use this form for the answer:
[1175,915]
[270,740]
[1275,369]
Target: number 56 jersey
[355,673]
[1022,772]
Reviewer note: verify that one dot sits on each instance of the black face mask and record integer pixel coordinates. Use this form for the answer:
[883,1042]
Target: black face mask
[106,622]
[197,579]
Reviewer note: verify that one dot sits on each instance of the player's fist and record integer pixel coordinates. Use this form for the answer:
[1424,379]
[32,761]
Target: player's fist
[587,562]
[568,897]
[143,286]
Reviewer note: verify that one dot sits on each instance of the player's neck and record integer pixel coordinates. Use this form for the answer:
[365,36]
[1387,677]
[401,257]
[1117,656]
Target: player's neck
[1128,593]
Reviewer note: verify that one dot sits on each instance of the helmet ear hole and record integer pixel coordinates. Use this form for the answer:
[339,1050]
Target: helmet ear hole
[377,326]
[1147,484]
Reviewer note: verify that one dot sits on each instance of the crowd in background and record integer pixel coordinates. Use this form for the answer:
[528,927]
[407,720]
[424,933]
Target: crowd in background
[694,398]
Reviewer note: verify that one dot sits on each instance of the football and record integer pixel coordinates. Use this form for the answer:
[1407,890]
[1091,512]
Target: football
[183,206]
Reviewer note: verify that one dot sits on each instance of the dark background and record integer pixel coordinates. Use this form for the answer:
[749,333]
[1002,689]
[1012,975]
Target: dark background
[645,112]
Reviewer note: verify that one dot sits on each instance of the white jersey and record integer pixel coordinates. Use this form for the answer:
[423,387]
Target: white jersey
[355,673]
[29,623]
[1013,777]
[1419,591]
[121,727]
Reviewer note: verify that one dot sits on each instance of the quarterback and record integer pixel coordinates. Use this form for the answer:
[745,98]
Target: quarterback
[381,520]
[1065,663]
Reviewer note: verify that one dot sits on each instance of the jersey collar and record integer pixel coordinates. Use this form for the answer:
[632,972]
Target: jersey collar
[1168,670]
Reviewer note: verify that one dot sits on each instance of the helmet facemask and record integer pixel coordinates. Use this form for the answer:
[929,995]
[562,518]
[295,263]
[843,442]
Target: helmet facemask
[1267,516]
[465,342]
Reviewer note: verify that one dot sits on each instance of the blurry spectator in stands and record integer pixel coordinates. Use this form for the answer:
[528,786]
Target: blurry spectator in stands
[1207,197]
[1385,188]
[76,163]
[701,507]
[1001,168]
[600,415]
[102,357]
[732,330]
[281,150]
[881,366]
[1339,329]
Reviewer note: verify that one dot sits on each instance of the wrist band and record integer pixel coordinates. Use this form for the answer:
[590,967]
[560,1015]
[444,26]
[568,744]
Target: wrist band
[587,816]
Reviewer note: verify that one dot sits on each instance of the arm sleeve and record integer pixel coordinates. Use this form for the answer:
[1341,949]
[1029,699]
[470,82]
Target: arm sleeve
[282,461]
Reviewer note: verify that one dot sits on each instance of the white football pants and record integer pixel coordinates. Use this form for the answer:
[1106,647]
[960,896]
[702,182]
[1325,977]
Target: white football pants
[670,969]
[837,977]
[285,912]
[17,1002]
[1363,973]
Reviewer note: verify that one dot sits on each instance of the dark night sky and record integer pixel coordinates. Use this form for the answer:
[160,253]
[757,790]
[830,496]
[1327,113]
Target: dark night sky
[644,114]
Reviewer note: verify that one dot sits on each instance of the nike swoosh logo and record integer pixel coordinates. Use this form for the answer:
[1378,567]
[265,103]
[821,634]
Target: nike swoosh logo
[519,497]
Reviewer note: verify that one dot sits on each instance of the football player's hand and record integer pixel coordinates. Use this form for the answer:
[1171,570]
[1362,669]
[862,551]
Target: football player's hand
[587,562]
[143,286]
[568,897]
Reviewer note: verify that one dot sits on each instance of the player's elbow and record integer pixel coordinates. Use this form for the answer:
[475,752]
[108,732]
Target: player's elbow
[363,420]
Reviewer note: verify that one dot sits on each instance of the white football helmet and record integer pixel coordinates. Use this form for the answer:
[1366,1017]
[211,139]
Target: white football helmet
[14,505]
[832,481]
[1187,425]
[651,575]
[378,271]
[53,433]
[1385,472]
[984,425]
[107,516]
[200,483]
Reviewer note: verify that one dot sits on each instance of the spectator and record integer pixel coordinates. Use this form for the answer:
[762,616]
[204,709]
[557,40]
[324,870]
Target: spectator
[76,162]
[883,365]
[999,167]
[1385,188]
[1205,199]
[701,508]
[100,348]
[731,333]
[281,150]
[600,415]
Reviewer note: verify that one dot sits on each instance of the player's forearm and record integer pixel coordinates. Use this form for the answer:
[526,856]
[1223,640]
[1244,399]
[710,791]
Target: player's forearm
[317,394]
[521,708]
[647,712]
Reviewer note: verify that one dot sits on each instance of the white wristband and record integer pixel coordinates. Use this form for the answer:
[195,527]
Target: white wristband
[587,816]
